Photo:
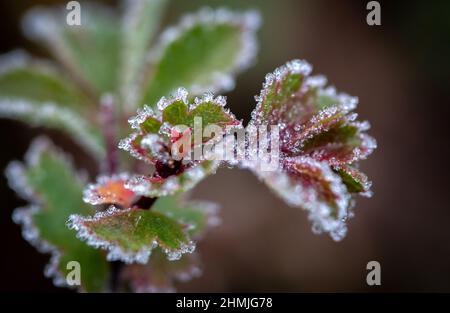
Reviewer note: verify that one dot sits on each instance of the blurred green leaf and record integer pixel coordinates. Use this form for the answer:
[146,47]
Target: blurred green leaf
[55,190]
[54,116]
[24,78]
[91,51]
[140,23]
[202,53]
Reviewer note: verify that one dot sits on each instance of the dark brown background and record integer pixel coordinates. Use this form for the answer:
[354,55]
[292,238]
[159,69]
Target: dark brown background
[400,71]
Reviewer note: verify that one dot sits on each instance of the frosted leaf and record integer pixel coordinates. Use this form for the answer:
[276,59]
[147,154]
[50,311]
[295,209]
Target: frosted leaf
[158,133]
[320,142]
[53,116]
[109,190]
[131,234]
[312,185]
[181,59]
[139,24]
[46,176]
[25,78]
[159,275]
[355,180]
[91,52]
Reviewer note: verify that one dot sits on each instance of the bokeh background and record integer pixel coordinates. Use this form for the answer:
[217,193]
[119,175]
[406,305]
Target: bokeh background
[401,73]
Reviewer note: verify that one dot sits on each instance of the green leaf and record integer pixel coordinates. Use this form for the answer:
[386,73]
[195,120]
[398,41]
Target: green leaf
[131,234]
[203,53]
[90,51]
[198,215]
[160,274]
[53,116]
[50,183]
[179,113]
[140,22]
[354,180]
[24,78]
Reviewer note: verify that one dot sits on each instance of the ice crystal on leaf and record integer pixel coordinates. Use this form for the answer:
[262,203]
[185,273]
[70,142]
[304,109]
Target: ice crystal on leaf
[156,131]
[54,189]
[131,234]
[320,143]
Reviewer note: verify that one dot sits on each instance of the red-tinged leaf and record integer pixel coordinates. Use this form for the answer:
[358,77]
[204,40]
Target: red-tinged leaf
[160,131]
[110,190]
[318,138]
[159,275]
[312,185]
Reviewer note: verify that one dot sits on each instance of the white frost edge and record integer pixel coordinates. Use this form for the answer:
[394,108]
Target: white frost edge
[248,22]
[41,113]
[302,67]
[295,195]
[20,59]
[24,215]
[115,252]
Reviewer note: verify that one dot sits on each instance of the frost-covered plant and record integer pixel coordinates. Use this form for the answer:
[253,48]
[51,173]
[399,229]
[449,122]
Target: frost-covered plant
[137,210]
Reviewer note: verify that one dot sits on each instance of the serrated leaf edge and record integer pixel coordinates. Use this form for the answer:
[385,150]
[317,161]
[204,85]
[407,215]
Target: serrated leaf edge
[248,22]
[23,215]
[115,252]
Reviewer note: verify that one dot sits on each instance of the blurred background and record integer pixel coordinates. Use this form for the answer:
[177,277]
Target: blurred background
[401,73]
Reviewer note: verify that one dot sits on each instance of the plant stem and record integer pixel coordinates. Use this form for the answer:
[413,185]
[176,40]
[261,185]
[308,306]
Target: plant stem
[109,128]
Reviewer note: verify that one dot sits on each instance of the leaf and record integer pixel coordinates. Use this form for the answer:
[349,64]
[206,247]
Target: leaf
[50,115]
[319,139]
[312,185]
[90,51]
[355,180]
[35,80]
[313,120]
[50,183]
[156,131]
[204,52]
[160,274]
[131,234]
[110,190]
[139,24]
[198,215]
